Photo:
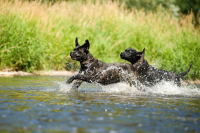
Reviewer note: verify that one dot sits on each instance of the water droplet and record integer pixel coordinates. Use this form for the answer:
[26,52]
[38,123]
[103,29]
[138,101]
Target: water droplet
[100,118]
[39,126]
[140,125]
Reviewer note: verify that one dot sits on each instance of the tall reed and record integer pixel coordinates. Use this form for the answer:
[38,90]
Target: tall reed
[40,36]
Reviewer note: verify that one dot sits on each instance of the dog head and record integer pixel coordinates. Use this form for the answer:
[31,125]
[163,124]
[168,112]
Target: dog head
[80,52]
[131,55]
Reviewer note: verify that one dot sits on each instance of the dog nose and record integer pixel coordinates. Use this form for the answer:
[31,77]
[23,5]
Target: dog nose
[121,55]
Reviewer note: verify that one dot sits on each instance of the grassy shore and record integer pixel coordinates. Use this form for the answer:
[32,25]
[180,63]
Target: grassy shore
[36,36]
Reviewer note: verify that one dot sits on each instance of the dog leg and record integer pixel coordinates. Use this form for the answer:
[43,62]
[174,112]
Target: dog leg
[74,89]
[80,77]
[70,80]
[77,84]
[177,82]
[139,86]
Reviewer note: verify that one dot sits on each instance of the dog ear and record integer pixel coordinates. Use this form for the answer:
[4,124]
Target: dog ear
[140,53]
[76,42]
[142,56]
[140,61]
[86,45]
[143,51]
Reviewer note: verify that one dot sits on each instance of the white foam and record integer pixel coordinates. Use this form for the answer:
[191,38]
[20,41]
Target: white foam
[63,87]
[169,88]
[160,89]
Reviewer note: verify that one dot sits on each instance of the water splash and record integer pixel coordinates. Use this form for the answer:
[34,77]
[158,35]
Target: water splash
[160,89]
[169,88]
[63,87]
[163,88]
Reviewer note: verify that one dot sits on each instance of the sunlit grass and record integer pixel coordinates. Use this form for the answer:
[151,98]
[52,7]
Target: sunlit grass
[40,36]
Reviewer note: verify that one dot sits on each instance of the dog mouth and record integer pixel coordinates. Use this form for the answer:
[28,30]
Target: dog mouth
[75,58]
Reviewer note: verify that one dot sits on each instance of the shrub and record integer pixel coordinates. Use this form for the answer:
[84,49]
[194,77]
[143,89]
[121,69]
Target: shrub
[41,36]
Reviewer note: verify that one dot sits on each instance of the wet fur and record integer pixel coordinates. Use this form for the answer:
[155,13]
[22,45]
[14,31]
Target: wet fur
[148,74]
[98,71]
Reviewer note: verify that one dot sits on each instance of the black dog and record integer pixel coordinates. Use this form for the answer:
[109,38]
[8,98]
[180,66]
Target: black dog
[98,71]
[149,75]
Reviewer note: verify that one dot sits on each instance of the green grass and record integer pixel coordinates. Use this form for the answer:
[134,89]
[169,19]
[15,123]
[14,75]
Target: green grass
[40,37]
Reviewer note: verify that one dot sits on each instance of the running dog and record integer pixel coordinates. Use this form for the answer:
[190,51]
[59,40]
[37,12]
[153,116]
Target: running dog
[98,71]
[148,74]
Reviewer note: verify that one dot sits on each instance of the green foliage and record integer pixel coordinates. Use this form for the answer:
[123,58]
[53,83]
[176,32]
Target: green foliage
[174,6]
[186,6]
[31,40]
[20,45]
[152,5]
[185,53]
[24,46]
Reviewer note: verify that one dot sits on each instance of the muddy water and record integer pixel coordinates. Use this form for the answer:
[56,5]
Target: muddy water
[43,104]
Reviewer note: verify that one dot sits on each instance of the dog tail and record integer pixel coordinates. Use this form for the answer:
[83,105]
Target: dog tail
[184,73]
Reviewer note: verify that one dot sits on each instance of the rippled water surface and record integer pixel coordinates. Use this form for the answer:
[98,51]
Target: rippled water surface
[43,104]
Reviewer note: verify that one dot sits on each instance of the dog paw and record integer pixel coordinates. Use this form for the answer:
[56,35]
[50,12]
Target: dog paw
[69,80]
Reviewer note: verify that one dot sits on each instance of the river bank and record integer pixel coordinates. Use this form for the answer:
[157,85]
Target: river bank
[38,40]
[48,73]
[58,73]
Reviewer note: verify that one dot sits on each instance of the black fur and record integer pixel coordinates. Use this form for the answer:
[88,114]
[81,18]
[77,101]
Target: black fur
[148,74]
[98,71]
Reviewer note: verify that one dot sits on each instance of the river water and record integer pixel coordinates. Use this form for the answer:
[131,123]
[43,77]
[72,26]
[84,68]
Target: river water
[43,104]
